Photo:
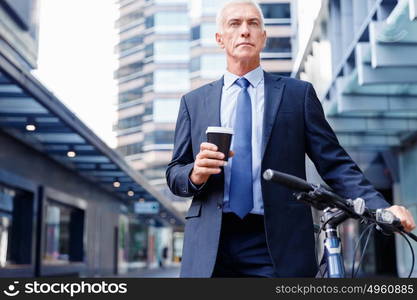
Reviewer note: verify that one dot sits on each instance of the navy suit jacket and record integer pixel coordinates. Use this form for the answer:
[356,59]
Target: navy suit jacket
[294,125]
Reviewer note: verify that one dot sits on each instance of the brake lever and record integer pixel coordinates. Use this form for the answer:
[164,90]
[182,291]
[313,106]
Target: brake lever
[387,221]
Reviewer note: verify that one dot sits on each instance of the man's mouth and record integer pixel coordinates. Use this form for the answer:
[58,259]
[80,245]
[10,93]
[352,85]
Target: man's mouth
[244,44]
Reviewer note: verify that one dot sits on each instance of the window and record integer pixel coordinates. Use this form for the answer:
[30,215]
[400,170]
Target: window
[164,137]
[212,65]
[130,95]
[130,43]
[129,69]
[206,32]
[278,44]
[130,149]
[129,122]
[16,209]
[171,80]
[175,50]
[63,232]
[195,33]
[171,1]
[133,241]
[165,22]
[149,22]
[195,64]
[138,238]
[130,17]
[211,7]
[161,137]
[148,78]
[165,110]
[276,10]
[148,109]
[149,50]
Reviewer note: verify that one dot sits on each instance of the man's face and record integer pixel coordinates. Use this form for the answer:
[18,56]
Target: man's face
[242,37]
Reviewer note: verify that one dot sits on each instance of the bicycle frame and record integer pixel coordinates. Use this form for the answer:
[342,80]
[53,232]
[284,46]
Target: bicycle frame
[332,244]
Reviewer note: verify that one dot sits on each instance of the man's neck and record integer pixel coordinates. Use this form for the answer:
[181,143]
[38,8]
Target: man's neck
[241,68]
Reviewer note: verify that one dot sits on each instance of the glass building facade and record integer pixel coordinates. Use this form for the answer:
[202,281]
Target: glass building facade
[16,206]
[361,60]
[153,74]
[208,61]
[67,199]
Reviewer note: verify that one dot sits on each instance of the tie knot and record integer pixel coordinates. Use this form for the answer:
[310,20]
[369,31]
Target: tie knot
[242,82]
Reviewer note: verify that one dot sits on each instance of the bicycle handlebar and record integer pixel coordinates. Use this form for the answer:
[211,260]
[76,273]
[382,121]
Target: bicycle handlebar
[288,180]
[320,197]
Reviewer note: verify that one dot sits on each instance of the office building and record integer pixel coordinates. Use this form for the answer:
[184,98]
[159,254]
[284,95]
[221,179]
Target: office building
[208,61]
[152,75]
[361,60]
[69,205]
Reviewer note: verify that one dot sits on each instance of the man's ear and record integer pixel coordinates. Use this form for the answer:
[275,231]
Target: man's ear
[219,40]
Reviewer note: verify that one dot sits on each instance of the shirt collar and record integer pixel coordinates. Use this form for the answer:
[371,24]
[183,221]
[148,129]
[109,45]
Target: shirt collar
[254,77]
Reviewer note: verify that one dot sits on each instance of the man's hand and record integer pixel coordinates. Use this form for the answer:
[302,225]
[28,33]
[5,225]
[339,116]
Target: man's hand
[208,161]
[404,215]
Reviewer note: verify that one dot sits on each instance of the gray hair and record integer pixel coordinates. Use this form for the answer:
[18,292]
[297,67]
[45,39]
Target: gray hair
[220,13]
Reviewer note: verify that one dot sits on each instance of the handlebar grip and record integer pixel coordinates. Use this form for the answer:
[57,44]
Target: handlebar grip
[387,217]
[287,180]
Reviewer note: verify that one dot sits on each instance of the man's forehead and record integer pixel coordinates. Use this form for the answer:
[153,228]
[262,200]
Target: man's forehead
[241,11]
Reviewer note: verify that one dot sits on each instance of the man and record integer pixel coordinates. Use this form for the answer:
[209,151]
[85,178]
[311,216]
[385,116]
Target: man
[239,225]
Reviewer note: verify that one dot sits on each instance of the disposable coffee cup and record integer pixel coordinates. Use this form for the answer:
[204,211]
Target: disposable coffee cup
[221,137]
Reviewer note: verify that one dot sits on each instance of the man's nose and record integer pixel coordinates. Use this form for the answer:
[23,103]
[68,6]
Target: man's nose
[244,30]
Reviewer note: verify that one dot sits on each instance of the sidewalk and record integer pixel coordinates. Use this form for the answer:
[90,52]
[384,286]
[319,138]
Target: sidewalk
[168,272]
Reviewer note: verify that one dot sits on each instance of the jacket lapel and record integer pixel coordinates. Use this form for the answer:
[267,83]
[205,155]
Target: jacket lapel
[274,88]
[212,102]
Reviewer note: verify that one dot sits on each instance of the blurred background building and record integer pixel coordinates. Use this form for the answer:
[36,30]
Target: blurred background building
[361,58]
[208,61]
[153,74]
[69,205]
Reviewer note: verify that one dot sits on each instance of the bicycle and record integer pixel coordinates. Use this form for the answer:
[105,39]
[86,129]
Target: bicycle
[336,210]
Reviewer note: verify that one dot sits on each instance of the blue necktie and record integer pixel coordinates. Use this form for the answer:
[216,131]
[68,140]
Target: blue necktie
[240,193]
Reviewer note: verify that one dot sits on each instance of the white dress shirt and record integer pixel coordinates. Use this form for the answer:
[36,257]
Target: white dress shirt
[256,92]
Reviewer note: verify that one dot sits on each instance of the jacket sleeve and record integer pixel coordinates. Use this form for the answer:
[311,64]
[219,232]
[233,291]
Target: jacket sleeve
[182,163]
[332,162]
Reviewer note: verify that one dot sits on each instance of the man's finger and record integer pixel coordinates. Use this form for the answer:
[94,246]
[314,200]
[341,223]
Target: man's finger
[404,215]
[208,171]
[409,224]
[211,163]
[208,146]
[211,154]
[410,221]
